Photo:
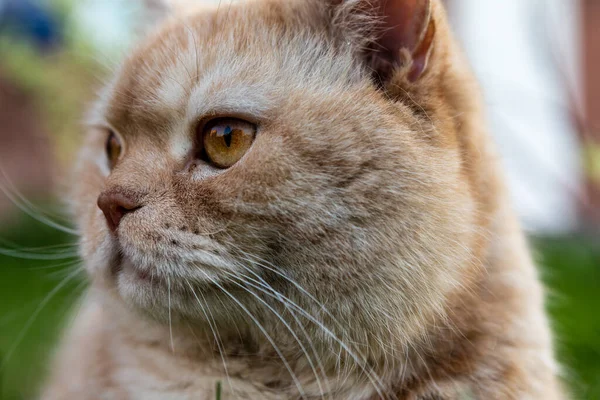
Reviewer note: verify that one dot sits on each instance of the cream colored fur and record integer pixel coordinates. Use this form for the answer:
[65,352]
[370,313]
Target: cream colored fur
[363,248]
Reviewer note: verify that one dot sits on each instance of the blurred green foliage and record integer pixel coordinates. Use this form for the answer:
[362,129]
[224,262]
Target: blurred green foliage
[571,270]
[33,312]
[32,309]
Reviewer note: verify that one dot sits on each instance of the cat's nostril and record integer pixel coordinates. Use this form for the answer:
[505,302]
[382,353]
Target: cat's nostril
[115,205]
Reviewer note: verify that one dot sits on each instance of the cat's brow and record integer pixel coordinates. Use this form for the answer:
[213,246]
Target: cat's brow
[215,98]
[211,96]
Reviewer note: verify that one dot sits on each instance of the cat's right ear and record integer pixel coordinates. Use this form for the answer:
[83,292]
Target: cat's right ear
[397,36]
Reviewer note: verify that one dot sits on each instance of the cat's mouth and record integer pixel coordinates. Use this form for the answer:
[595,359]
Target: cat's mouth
[157,291]
[137,275]
[148,278]
[155,282]
[124,269]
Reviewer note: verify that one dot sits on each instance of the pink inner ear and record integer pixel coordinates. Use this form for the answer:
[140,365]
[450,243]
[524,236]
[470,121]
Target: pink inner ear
[405,23]
[422,52]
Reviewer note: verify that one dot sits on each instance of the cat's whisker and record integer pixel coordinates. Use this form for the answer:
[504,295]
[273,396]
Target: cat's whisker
[262,264]
[15,246]
[30,209]
[64,267]
[38,256]
[242,278]
[211,323]
[373,377]
[263,285]
[18,311]
[170,321]
[35,314]
[39,253]
[60,266]
[263,331]
[12,188]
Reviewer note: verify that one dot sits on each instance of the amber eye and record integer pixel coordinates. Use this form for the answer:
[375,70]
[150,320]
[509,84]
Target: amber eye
[226,140]
[113,149]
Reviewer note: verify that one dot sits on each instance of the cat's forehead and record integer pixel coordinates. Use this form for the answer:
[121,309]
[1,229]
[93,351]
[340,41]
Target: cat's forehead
[233,60]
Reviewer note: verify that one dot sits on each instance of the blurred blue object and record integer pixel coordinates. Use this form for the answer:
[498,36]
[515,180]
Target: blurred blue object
[31,20]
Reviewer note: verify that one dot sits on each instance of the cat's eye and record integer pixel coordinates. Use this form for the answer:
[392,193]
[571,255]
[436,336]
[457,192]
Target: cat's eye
[113,149]
[226,140]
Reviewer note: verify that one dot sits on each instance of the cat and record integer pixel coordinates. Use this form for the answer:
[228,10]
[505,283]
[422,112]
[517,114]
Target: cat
[298,199]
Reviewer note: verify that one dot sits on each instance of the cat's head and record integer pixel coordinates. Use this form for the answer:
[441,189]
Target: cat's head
[310,146]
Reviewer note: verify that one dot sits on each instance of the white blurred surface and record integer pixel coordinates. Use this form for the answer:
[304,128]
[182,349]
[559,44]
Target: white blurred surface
[527,55]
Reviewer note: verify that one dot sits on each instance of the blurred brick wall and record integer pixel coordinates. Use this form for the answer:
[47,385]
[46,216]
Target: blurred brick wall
[591,30]
[25,150]
[592,63]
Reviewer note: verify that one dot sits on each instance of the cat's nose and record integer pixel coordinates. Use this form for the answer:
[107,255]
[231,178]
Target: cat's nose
[115,205]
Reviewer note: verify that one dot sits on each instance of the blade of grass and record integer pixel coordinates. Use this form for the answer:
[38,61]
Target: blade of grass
[219,390]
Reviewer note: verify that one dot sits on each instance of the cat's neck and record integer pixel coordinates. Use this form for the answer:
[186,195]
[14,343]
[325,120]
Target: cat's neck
[271,361]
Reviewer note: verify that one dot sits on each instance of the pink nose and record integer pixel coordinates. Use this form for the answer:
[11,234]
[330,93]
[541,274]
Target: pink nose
[115,205]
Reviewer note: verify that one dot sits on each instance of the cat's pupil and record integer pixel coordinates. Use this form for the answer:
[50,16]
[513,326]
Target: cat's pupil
[228,136]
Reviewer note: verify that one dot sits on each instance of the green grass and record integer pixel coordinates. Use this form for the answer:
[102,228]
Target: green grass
[571,269]
[572,275]
[32,310]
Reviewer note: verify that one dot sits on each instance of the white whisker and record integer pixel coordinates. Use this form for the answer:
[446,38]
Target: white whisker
[286,324]
[28,208]
[34,256]
[371,375]
[262,285]
[264,332]
[215,333]
[170,322]
[35,314]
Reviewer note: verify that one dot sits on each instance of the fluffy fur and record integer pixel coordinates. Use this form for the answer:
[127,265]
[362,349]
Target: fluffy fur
[363,248]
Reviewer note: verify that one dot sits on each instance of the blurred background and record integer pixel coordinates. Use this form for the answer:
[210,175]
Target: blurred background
[536,59]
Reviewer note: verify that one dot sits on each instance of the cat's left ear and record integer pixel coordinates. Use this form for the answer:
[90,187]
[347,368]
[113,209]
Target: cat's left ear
[403,34]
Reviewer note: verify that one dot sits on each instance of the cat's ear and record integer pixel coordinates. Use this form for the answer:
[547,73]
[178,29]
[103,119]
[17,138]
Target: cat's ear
[403,34]
[152,13]
[156,11]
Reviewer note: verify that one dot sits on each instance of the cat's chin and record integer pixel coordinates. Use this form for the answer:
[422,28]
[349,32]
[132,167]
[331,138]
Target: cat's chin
[131,277]
[140,288]
[163,297]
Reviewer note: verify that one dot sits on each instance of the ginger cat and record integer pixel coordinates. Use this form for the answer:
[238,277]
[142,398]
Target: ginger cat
[298,199]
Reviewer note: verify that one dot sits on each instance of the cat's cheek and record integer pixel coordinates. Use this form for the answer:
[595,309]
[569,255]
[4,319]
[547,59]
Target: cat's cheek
[101,257]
